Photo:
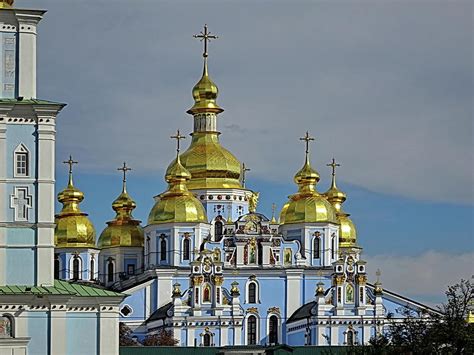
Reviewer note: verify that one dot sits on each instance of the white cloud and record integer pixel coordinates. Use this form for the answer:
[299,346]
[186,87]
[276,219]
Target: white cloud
[423,277]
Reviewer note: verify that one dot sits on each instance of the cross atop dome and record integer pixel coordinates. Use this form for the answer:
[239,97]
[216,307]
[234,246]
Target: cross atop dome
[333,165]
[205,37]
[178,137]
[70,162]
[307,138]
[124,169]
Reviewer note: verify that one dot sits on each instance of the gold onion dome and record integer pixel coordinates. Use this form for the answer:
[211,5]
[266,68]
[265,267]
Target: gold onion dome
[73,228]
[210,164]
[177,204]
[307,205]
[6,4]
[347,231]
[124,230]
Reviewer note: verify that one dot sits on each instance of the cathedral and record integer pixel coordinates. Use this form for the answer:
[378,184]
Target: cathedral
[206,265]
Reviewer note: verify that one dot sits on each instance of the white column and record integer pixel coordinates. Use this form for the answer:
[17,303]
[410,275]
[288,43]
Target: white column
[27,23]
[3,189]
[58,331]
[293,291]
[224,338]
[238,334]
[334,335]
[109,330]
[164,287]
[190,336]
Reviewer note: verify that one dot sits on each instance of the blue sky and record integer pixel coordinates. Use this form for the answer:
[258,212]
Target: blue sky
[386,87]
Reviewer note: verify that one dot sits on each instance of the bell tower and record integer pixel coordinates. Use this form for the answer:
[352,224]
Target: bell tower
[27,155]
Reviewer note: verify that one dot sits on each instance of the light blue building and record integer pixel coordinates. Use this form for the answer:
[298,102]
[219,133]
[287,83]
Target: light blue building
[39,314]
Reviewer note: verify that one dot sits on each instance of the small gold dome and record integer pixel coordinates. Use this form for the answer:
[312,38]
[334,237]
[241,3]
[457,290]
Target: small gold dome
[73,228]
[205,95]
[177,204]
[123,231]
[6,4]
[307,205]
[347,230]
[210,164]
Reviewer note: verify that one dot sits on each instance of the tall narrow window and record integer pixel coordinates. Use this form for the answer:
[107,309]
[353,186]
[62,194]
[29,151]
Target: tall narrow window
[21,161]
[92,269]
[76,264]
[251,330]
[316,248]
[350,337]
[252,292]
[186,248]
[206,297]
[218,226]
[333,248]
[163,249]
[260,253]
[131,269]
[273,330]
[110,271]
[56,267]
[207,339]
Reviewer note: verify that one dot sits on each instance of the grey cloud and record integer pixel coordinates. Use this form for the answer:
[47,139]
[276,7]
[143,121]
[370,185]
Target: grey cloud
[386,87]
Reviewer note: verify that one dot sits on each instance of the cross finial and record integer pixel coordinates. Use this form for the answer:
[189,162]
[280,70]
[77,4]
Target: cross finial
[124,169]
[244,172]
[178,137]
[70,162]
[205,37]
[333,165]
[307,138]
[378,273]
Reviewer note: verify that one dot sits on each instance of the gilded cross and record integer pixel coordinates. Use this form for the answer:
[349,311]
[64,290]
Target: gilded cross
[124,169]
[333,165]
[307,138]
[178,137]
[273,210]
[244,172]
[206,37]
[70,162]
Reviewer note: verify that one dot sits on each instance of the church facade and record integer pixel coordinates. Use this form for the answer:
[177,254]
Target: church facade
[206,265]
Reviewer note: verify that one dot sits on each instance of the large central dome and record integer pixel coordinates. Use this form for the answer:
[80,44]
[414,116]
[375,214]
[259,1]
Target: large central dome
[210,164]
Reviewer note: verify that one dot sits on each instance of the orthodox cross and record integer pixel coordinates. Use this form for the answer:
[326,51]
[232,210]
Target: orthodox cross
[21,202]
[124,169]
[244,171]
[307,138]
[333,165]
[70,162]
[178,137]
[273,210]
[205,37]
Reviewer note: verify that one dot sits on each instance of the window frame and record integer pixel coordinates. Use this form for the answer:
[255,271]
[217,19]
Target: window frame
[21,150]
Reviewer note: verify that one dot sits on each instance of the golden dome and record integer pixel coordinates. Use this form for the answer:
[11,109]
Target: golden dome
[205,95]
[307,205]
[210,164]
[123,231]
[177,204]
[347,230]
[73,228]
[6,4]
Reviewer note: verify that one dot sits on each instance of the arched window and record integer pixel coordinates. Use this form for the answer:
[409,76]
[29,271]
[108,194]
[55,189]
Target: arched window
[206,294]
[110,271]
[92,268]
[21,161]
[273,330]
[333,248]
[252,330]
[163,249]
[6,327]
[350,337]
[207,339]
[252,293]
[218,227]
[76,268]
[186,248]
[57,265]
[260,253]
[316,248]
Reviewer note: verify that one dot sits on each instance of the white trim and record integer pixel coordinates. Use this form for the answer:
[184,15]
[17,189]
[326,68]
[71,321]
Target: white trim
[257,328]
[279,330]
[29,204]
[21,149]
[71,266]
[257,291]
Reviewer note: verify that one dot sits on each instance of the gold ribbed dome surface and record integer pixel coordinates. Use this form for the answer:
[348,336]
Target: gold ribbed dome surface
[307,205]
[73,228]
[347,230]
[205,95]
[123,231]
[177,204]
[210,164]
[6,4]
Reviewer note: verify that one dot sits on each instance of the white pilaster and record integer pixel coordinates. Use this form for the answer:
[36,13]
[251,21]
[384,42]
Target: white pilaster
[293,291]
[58,337]
[109,330]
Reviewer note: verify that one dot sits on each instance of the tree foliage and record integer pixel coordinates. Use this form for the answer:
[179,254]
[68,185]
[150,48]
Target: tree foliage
[163,338]
[125,335]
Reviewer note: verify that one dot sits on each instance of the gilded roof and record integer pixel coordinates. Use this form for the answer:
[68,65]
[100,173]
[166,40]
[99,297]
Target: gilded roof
[177,204]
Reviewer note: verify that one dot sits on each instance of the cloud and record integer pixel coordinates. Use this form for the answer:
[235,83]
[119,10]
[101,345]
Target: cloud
[386,88]
[424,277]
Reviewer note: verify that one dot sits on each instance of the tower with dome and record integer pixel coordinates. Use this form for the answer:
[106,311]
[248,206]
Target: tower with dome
[206,265]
